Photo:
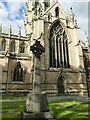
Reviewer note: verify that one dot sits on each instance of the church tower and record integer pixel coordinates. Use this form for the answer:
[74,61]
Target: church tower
[66,59]
[48,23]
[34,10]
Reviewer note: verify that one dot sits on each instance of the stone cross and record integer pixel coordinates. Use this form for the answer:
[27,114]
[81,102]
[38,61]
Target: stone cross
[36,103]
[37,49]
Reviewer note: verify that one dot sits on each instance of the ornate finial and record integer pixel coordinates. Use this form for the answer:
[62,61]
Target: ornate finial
[86,40]
[67,22]
[71,10]
[49,16]
[85,33]
[26,4]
[10,30]
[76,24]
[72,14]
[19,32]
[54,1]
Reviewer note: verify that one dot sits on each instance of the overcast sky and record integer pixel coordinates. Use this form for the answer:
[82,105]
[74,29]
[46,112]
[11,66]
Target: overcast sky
[12,13]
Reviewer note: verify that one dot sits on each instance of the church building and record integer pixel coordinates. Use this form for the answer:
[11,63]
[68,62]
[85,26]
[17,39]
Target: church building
[65,65]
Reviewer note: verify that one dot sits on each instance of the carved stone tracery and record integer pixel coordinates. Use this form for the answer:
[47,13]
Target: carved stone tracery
[58,46]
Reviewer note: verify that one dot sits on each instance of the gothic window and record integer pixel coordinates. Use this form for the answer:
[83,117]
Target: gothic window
[3,45]
[58,47]
[13,47]
[57,11]
[22,47]
[18,73]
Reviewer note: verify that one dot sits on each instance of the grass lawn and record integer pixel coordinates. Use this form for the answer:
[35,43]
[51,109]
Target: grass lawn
[12,109]
[67,108]
[9,97]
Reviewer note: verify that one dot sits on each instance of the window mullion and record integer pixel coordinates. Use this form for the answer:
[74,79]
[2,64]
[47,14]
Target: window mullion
[59,56]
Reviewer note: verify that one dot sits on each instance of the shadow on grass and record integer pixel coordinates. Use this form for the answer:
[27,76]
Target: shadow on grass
[62,109]
[72,109]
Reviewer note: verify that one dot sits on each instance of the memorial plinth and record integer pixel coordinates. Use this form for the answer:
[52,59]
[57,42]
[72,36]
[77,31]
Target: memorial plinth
[36,103]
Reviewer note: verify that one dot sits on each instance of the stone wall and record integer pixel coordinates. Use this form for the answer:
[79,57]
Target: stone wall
[66,82]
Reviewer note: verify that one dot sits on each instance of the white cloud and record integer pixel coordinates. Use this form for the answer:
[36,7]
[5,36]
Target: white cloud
[3,12]
[14,1]
[10,13]
[80,10]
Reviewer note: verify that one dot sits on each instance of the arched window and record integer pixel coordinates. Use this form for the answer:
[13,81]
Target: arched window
[22,47]
[58,47]
[57,11]
[13,46]
[18,73]
[3,45]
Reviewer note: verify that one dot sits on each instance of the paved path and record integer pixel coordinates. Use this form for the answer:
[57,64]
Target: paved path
[68,97]
[52,98]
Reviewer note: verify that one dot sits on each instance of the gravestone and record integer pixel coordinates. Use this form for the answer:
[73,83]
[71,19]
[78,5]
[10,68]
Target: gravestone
[36,103]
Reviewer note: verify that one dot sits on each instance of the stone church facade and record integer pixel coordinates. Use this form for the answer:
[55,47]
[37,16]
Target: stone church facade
[64,65]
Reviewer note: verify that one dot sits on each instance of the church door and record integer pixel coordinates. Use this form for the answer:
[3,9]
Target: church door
[60,85]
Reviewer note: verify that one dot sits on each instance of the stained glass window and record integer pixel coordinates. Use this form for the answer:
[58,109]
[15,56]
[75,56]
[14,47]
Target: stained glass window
[58,46]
